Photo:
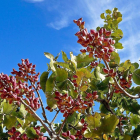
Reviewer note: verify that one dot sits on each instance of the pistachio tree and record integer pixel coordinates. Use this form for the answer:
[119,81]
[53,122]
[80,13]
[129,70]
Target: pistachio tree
[72,87]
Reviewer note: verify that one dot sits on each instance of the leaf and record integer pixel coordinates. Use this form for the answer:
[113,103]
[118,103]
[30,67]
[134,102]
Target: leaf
[127,137]
[64,56]
[61,74]
[119,19]
[7,108]
[93,121]
[136,65]
[109,123]
[108,11]
[9,121]
[118,46]
[83,60]
[50,84]
[48,55]
[137,90]
[31,133]
[115,58]
[102,16]
[64,65]
[51,102]
[43,79]
[134,120]
[73,118]
[136,76]
[20,121]
[73,59]
[23,111]
[136,132]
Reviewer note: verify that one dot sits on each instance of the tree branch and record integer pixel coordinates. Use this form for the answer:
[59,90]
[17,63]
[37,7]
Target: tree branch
[41,121]
[125,92]
[55,116]
[42,106]
[62,125]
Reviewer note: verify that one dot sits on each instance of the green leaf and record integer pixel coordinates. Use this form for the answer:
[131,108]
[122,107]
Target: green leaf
[64,65]
[73,118]
[118,45]
[43,79]
[119,19]
[97,73]
[108,11]
[83,60]
[50,84]
[136,132]
[127,137]
[103,109]
[64,56]
[48,55]
[9,121]
[137,90]
[31,133]
[136,76]
[61,74]
[115,58]
[102,16]
[51,102]
[134,120]
[23,111]
[109,123]
[7,108]
[20,121]
[93,121]
[136,65]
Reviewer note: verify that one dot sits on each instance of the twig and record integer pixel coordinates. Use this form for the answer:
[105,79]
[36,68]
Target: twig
[111,95]
[41,121]
[125,92]
[55,116]
[42,106]
[62,125]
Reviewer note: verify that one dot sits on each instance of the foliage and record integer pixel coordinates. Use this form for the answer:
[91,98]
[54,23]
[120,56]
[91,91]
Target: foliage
[72,87]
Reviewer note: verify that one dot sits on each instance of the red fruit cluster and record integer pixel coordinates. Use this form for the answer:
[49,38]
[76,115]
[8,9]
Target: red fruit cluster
[68,135]
[110,72]
[97,43]
[67,105]
[124,84]
[79,133]
[12,88]
[16,135]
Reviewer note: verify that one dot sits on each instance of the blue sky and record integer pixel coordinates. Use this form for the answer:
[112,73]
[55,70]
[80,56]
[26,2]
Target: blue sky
[28,28]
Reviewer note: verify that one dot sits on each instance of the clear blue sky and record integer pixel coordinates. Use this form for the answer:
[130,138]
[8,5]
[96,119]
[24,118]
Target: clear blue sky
[28,28]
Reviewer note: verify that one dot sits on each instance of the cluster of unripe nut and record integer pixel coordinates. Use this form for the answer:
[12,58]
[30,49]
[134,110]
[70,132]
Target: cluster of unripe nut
[125,84]
[16,135]
[97,43]
[12,88]
[79,132]
[68,105]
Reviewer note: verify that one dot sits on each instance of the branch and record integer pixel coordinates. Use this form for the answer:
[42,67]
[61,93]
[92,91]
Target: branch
[62,125]
[41,121]
[55,116]
[125,92]
[42,106]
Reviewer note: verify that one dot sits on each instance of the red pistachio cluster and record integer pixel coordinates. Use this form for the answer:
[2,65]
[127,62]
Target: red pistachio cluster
[79,133]
[12,88]
[97,43]
[110,72]
[68,135]
[16,135]
[124,84]
[67,105]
